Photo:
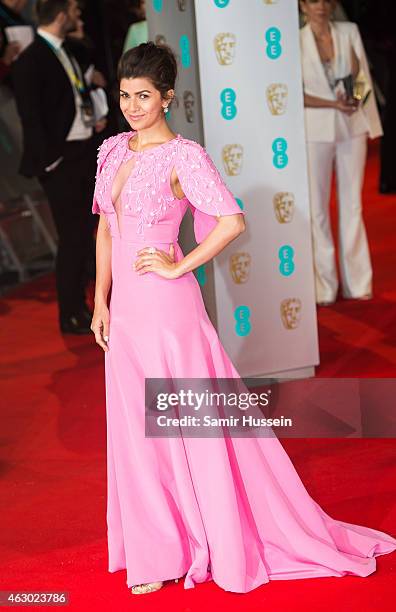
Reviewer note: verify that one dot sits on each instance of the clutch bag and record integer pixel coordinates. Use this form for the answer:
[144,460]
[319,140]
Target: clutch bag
[361,87]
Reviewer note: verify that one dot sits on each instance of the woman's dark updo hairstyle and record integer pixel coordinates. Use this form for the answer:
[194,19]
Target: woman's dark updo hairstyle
[150,61]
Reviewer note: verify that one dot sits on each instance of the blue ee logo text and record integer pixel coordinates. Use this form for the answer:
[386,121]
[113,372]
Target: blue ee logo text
[286,255]
[184,45]
[279,148]
[274,47]
[242,318]
[227,98]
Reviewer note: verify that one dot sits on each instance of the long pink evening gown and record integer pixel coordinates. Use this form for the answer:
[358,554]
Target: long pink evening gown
[232,510]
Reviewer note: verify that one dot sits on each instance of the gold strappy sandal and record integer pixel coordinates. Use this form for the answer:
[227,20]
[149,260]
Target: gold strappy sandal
[149,587]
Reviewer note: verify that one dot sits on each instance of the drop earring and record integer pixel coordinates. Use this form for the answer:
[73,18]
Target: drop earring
[166,109]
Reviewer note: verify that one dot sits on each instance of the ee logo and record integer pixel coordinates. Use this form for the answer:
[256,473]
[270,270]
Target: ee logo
[279,148]
[228,109]
[157,5]
[184,45]
[242,316]
[221,3]
[201,275]
[286,255]
[274,48]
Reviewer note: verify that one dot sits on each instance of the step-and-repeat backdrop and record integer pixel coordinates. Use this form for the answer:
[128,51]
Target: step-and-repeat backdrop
[240,94]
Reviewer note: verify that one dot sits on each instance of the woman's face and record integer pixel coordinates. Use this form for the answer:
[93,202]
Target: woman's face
[142,10]
[317,10]
[141,103]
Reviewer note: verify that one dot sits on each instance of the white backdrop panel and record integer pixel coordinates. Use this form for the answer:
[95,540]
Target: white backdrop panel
[248,55]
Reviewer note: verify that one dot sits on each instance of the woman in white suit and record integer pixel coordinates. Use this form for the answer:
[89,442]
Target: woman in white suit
[337,128]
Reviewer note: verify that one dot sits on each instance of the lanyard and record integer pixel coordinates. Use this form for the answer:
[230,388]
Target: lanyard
[77,82]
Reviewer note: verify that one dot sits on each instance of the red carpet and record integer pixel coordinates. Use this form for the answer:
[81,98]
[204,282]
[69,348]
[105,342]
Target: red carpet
[53,471]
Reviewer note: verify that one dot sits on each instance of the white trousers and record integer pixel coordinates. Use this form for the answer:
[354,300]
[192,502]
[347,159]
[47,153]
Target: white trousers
[349,158]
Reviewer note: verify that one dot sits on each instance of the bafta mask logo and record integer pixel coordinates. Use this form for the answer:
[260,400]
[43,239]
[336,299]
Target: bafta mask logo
[290,310]
[240,267]
[232,159]
[182,5]
[270,1]
[189,103]
[284,206]
[225,48]
[160,39]
[277,98]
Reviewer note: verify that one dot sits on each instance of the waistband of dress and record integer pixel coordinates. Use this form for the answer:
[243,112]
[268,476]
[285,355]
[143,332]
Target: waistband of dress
[133,231]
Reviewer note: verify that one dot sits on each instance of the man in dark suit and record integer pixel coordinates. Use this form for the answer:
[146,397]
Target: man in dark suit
[54,104]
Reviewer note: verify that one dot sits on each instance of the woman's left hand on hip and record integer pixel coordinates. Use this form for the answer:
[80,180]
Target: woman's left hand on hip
[151,259]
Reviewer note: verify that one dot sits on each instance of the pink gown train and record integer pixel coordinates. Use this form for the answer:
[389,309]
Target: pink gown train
[231,510]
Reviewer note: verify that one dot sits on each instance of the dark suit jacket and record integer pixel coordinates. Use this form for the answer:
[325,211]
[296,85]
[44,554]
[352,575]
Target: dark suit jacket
[45,101]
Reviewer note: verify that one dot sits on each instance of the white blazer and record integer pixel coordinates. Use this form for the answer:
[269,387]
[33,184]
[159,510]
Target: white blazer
[321,124]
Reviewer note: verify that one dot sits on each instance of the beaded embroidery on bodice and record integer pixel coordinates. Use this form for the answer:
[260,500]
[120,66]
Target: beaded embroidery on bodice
[146,193]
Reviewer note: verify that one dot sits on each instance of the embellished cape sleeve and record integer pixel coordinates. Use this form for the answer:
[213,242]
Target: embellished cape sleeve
[103,151]
[204,188]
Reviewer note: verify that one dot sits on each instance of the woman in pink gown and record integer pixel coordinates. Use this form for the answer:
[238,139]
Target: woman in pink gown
[232,510]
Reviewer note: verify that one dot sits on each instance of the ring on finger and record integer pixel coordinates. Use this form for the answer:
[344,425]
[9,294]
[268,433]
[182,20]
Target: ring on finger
[152,250]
